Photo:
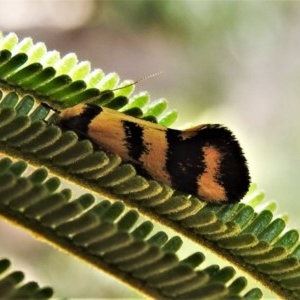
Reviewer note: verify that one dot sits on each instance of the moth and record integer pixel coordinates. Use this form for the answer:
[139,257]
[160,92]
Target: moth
[206,160]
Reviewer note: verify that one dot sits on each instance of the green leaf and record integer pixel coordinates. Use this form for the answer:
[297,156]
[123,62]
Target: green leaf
[157,108]
[66,64]
[12,64]
[9,41]
[93,79]
[168,119]
[138,101]
[11,288]
[80,71]
[109,82]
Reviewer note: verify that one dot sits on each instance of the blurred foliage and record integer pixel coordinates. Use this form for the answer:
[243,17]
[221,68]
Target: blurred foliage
[202,29]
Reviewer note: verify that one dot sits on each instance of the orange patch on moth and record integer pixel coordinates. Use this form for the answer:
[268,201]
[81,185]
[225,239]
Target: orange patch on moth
[108,132]
[72,111]
[208,187]
[154,158]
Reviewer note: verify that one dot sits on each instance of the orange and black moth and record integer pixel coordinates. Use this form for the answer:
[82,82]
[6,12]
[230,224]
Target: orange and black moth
[206,161]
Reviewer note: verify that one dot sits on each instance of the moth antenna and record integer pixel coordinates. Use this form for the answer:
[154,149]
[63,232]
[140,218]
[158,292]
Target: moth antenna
[108,91]
[138,80]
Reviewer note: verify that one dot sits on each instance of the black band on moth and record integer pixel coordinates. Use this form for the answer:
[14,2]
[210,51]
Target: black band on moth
[81,122]
[134,139]
[183,163]
[234,173]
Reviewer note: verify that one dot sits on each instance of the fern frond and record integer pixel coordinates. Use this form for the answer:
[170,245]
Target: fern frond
[12,285]
[62,82]
[108,236]
[242,233]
